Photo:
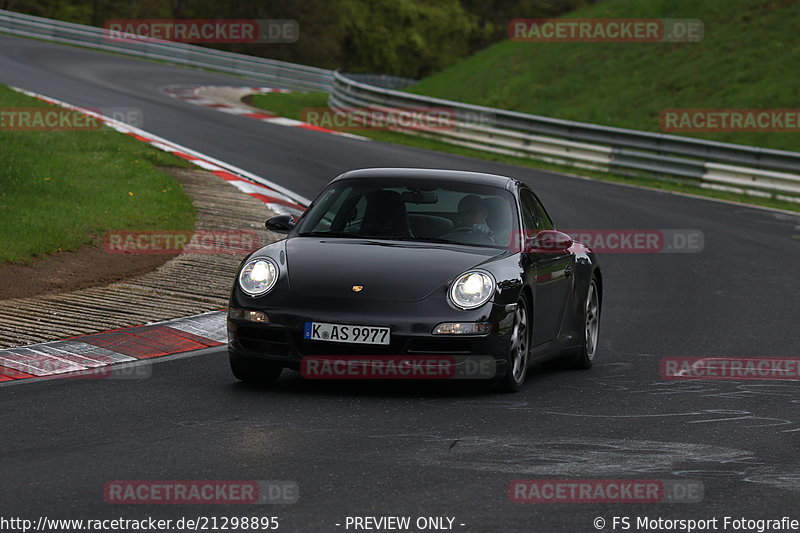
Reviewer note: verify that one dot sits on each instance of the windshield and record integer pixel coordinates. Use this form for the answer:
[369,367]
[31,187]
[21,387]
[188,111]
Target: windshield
[428,211]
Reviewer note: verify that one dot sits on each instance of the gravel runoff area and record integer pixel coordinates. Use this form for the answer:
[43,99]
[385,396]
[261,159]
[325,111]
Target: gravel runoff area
[189,284]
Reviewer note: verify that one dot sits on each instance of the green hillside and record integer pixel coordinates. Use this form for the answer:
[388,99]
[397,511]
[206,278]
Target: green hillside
[749,58]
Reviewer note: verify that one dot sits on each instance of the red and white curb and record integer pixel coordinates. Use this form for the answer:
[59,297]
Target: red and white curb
[277,198]
[190,95]
[92,355]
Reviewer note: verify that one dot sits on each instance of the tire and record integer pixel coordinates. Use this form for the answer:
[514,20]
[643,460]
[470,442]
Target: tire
[250,371]
[591,328]
[518,355]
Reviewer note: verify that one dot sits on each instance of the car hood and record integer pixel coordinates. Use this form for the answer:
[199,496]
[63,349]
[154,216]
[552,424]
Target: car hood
[387,270]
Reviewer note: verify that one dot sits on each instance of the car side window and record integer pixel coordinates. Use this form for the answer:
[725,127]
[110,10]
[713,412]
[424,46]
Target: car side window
[533,214]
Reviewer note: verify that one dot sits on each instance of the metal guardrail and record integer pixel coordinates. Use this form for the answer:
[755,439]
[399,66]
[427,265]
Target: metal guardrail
[756,170]
[760,171]
[286,74]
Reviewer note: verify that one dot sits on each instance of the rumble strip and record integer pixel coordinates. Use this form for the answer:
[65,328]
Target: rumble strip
[91,355]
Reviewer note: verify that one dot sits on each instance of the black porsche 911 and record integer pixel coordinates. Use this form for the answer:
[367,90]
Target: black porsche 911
[417,263]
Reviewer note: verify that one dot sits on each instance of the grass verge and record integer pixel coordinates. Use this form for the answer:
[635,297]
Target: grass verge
[60,190]
[747,59]
[290,105]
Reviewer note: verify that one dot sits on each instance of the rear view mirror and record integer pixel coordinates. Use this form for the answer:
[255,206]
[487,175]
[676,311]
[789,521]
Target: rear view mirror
[280,223]
[548,241]
[420,197]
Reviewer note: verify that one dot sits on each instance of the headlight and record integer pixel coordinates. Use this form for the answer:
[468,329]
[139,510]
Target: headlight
[472,289]
[258,276]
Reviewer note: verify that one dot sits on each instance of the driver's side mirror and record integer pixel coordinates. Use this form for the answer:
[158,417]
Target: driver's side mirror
[280,223]
[548,241]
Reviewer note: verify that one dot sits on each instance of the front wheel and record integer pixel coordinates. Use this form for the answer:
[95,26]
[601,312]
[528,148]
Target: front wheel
[254,371]
[591,328]
[517,359]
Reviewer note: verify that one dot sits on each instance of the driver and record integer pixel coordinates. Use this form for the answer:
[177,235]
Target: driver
[472,213]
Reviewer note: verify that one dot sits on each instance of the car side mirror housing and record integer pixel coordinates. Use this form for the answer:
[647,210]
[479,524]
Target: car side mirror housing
[280,223]
[549,241]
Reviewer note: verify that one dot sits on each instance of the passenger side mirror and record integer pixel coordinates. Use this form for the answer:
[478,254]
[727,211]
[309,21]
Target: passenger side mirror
[280,223]
[548,241]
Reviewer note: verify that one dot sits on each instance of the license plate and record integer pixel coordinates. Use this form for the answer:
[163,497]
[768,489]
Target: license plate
[320,331]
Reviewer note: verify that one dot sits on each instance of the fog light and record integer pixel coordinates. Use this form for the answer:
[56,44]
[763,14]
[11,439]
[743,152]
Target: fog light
[247,315]
[463,328]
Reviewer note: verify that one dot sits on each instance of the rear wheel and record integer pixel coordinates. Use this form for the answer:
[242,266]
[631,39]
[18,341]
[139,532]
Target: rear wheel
[517,359]
[254,371]
[591,328]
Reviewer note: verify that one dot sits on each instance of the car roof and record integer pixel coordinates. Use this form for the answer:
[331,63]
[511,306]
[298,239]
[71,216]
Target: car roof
[417,174]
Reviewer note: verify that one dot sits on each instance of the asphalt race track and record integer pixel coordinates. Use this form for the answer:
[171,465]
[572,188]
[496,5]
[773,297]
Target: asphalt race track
[436,449]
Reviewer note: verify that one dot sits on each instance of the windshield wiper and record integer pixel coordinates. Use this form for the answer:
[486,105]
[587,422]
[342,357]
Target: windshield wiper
[328,234]
[439,240]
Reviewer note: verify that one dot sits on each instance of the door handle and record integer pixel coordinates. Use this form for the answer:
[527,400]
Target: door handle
[568,271]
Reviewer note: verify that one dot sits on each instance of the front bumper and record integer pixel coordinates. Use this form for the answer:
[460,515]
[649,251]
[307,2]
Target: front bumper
[281,341]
